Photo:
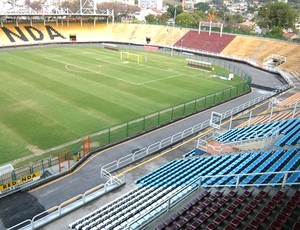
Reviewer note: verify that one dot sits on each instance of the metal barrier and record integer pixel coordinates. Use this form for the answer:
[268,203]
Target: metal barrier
[267,138]
[169,141]
[239,176]
[163,206]
[68,206]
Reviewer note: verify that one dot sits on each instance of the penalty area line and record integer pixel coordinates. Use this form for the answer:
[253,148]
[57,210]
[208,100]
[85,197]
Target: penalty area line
[89,70]
[75,71]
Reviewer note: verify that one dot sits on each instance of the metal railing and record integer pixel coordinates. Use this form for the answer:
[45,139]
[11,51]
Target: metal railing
[164,205]
[239,177]
[169,141]
[239,142]
[68,206]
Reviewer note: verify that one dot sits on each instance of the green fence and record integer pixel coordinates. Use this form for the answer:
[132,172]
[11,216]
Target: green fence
[157,119]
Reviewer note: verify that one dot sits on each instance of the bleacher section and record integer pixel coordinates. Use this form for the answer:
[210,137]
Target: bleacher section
[275,47]
[284,110]
[258,49]
[158,35]
[26,34]
[238,209]
[291,135]
[290,101]
[183,173]
[258,131]
[51,32]
[262,48]
[204,41]
[243,46]
[276,116]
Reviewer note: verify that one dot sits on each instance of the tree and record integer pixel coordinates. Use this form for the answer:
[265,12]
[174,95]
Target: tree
[171,10]
[164,17]
[186,19]
[276,32]
[159,18]
[150,18]
[36,5]
[203,6]
[276,14]
[198,15]
[72,5]
[120,9]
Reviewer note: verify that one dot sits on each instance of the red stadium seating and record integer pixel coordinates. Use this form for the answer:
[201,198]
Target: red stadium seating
[204,41]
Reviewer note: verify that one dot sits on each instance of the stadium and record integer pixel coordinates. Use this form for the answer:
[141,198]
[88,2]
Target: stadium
[110,125]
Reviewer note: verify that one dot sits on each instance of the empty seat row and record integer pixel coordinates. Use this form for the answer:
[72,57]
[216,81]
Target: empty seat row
[258,131]
[258,162]
[234,209]
[291,137]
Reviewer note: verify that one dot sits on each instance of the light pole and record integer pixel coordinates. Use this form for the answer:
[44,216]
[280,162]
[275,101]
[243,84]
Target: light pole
[173,30]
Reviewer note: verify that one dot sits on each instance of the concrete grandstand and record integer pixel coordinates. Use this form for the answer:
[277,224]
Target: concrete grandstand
[219,184]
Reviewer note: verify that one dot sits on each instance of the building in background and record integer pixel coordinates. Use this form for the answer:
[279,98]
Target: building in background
[150,4]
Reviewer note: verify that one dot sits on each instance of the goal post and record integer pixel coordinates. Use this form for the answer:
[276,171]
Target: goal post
[138,58]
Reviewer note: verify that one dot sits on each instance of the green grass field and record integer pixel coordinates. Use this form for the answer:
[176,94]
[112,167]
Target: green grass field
[49,96]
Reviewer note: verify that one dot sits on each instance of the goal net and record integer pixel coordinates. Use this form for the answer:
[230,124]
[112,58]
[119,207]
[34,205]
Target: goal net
[137,58]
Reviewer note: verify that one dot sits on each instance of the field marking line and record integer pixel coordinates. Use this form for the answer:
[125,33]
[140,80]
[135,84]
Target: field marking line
[146,67]
[93,71]
[141,64]
[160,79]
[144,135]
[118,58]
[66,66]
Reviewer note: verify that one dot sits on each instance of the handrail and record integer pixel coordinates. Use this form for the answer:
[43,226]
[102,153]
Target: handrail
[69,205]
[113,166]
[166,203]
[19,224]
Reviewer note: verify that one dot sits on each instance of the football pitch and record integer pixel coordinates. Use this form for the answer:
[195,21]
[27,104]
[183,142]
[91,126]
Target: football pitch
[49,96]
